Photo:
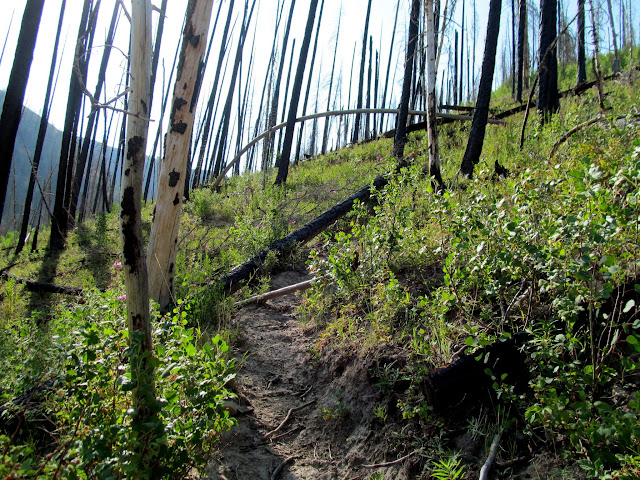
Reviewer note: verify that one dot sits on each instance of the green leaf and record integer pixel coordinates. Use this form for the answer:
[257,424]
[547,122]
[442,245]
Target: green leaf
[191,350]
[630,304]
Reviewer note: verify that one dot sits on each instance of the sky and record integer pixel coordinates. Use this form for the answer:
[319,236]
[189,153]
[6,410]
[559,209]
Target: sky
[353,17]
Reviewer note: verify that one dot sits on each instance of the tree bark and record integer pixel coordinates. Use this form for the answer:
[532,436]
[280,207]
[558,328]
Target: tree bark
[325,134]
[548,97]
[14,97]
[283,167]
[616,53]
[401,126]
[164,232]
[582,65]
[479,123]
[356,127]
[42,130]
[146,424]
[432,130]
[522,23]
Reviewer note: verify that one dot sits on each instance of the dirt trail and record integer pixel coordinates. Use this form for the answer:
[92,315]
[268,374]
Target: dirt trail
[331,431]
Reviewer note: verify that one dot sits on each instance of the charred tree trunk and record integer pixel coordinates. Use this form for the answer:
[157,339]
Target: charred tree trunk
[481,113]
[432,131]
[164,231]
[356,127]
[59,221]
[616,53]
[14,97]
[283,167]
[42,131]
[548,97]
[522,23]
[582,64]
[386,81]
[401,125]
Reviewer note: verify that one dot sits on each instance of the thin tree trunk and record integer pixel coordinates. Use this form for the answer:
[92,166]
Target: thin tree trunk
[401,125]
[59,221]
[93,117]
[286,94]
[386,81]
[481,113]
[367,128]
[145,420]
[616,53]
[522,22]
[432,131]
[164,231]
[455,70]
[596,55]
[309,79]
[283,167]
[42,131]
[325,135]
[6,37]
[356,127]
[14,97]
[582,64]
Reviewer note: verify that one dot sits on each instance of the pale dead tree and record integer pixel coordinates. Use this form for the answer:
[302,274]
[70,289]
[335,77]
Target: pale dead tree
[135,269]
[432,132]
[164,232]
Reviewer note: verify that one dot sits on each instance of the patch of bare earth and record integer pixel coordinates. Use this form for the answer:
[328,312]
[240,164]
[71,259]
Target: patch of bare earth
[300,416]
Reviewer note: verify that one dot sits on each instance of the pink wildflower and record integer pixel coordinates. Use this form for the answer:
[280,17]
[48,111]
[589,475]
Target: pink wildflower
[117,265]
[122,298]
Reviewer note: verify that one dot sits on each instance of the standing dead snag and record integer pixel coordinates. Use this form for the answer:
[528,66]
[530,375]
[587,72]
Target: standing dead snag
[164,232]
[146,425]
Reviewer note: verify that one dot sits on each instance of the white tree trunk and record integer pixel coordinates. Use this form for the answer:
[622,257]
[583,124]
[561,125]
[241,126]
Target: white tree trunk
[164,232]
[432,132]
[135,267]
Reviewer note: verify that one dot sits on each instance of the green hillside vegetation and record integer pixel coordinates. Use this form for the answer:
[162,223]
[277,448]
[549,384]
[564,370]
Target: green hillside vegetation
[543,251]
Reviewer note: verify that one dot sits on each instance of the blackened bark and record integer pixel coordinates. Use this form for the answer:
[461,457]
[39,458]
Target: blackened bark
[548,97]
[59,221]
[455,70]
[401,125]
[582,64]
[522,22]
[356,127]
[12,108]
[479,123]
[42,131]
[386,81]
[325,135]
[283,167]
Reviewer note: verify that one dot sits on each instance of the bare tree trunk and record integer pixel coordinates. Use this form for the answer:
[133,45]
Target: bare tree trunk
[616,53]
[325,135]
[145,420]
[283,167]
[356,127]
[432,131]
[386,81]
[42,131]
[14,97]
[481,113]
[548,97]
[164,231]
[401,126]
[596,54]
[582,65]
[522,22]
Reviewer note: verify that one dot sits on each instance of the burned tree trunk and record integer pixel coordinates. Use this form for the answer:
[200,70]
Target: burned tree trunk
[12,107]
[548,97]
[582,65]
[401,125]
[479,123]
[164,232]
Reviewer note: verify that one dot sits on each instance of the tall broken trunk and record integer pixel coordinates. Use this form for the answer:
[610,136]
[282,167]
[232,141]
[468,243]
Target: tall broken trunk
[522,23]
[164,232]
[401,125]
[356,127]
[146,426]
[12,107]
[582,64]
[481,113]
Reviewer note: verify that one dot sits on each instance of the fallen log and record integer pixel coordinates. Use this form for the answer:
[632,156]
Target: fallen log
[277,293]
[41,287]
[232,281]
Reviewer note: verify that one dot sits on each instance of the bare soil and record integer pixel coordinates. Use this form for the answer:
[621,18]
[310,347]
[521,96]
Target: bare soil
[328,401]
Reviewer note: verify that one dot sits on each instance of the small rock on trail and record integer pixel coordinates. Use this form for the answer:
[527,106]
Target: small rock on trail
[328,403]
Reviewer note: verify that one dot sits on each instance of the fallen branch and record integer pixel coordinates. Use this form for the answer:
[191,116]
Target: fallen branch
[286,419]
[484,472]
[278,470]
[394,462]
[42,287]
[277,293]
[571,132]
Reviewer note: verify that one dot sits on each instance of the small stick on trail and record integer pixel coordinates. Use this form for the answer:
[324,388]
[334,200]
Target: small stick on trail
[286,419]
